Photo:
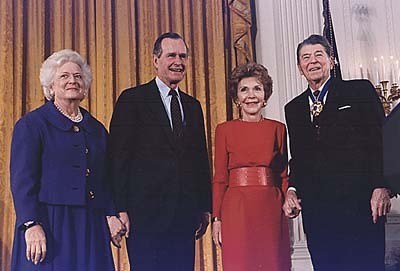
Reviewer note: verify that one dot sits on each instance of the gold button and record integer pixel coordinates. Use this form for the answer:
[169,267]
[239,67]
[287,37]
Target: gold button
[91,194]
[75,129]
[88,172]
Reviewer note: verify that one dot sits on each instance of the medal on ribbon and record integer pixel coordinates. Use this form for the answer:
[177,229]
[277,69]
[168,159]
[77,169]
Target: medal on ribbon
[316,108]
[317,100]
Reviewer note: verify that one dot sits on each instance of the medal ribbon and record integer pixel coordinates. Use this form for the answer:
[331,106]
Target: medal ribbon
[322,94]
[318,103]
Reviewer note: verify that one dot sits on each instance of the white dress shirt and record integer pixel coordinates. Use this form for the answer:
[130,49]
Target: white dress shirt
[166,99]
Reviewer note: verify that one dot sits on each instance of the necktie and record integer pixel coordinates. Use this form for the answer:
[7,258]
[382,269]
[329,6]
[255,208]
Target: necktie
[316,93]
[176,115]
[316,116]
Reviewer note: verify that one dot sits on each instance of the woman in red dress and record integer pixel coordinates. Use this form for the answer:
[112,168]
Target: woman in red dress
[250,180]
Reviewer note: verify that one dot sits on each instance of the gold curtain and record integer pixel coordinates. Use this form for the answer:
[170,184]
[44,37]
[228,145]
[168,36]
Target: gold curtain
[116,37]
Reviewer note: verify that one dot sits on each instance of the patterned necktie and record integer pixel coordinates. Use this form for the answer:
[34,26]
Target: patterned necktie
[176,115]
[316,93]
[315,120]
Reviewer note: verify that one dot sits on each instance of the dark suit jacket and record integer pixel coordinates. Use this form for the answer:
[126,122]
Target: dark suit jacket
[159,182]
[391,150]
[49,162]
[346,163]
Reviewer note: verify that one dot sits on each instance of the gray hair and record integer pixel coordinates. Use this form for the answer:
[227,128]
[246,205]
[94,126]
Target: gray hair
[56,60]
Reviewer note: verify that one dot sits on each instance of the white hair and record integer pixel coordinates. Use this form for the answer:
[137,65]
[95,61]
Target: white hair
[56,60]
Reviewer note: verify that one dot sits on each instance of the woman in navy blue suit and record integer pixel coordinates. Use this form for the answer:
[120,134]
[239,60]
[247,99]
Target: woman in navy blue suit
[65,215]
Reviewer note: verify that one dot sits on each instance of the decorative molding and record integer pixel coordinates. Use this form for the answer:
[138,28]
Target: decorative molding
[241,23]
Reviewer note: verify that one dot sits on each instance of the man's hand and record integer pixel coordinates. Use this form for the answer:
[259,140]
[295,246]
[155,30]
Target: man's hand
[204,221]
[291,206]
[117,230]
[35,239]
[216,233]
[380,203]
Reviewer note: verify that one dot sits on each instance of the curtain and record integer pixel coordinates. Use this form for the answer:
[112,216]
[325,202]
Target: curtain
[116,37]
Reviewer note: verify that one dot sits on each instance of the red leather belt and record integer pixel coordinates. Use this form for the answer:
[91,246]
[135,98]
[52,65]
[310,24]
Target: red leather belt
[248,176]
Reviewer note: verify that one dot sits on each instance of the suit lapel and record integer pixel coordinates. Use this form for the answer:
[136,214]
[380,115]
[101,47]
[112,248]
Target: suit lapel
[332,100]
[304,109]
[157,109]
[188,111]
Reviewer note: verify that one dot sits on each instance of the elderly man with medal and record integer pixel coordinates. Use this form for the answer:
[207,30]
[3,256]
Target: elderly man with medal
[336,180]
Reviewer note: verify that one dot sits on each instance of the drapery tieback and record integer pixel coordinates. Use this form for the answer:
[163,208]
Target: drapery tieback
[249,176]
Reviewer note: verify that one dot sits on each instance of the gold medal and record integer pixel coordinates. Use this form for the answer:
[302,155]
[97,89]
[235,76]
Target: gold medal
[316,108]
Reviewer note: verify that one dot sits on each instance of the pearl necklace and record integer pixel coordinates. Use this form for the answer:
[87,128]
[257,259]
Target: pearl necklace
[77,118]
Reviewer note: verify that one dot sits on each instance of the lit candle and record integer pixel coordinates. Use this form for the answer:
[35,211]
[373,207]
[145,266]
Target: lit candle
[361,71]
[392,74]
[398,72]
[383,73]
[376,71]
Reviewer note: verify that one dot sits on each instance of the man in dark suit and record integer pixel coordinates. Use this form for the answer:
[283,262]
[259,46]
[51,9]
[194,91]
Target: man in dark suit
[160,164]
[391,149]
[336,166]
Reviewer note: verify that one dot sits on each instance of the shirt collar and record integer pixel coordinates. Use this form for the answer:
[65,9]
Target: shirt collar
[164,89]
[321,87]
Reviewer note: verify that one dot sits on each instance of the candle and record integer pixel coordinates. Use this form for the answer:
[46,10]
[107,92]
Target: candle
[361,71]
[392,74]
[376,71]
[383,73]
[398,72]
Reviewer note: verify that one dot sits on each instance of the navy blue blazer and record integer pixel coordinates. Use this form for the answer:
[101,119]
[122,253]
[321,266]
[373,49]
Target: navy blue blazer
[55,161]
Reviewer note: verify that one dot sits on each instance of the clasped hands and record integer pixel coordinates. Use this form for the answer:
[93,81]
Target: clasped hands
[291,207]
[119,226]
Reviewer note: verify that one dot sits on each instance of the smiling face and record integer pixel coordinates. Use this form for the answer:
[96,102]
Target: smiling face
[314,64]
[251,96]
[171,64]
[68,83]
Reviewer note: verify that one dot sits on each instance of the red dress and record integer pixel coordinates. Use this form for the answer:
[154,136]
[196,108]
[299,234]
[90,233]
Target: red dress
[255,235]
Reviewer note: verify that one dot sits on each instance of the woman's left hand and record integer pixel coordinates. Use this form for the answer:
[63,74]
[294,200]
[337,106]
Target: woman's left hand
[216,233]
[117,230]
